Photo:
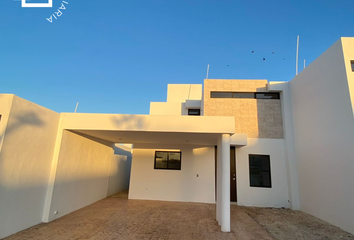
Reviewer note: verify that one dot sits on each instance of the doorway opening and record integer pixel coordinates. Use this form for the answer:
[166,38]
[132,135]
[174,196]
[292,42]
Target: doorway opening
[233,179]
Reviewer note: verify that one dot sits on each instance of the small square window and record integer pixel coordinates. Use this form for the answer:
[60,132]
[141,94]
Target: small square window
[260,171]
[352,63]
[167,160]
[195,112]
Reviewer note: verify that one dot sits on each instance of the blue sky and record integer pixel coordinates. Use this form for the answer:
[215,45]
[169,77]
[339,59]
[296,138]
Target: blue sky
[118,56]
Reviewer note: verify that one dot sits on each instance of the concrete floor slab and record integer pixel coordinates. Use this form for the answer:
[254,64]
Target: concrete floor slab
[116,217]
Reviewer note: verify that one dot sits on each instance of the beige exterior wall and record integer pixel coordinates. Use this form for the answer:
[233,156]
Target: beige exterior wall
[119,172]
[258,118]
[182,92]
[167,108]
[28,133]
[348,54]
[82,173]
[180,97]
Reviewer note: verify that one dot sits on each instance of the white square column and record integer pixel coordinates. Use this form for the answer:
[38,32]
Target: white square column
[223,182]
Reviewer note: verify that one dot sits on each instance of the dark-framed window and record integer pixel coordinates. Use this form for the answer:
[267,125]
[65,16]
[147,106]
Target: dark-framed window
[170,160]
[251,95]
[267,95]
[194,112]
[242,95]
[221,94]
[260,171]
[352,63]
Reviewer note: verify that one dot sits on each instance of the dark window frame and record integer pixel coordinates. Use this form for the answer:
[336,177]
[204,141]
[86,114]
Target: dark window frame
[270,173]
[352,65]
[253,95]
[194,109]
[168,155]
[270,93]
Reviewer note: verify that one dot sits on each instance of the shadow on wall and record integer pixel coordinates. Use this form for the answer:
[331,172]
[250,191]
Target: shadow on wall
[119,174]
[17,186]
[20,120]
[119,150]
[132,122]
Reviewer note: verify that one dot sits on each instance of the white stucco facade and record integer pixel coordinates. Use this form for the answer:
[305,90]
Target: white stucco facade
[52,164]
[195,182]
[276,196]
[321,97]
[28,135]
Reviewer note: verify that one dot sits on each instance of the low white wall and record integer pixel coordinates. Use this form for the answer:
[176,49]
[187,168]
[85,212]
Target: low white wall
[174,185]
[25,161]
[82,173]
[119,173]
[277,196]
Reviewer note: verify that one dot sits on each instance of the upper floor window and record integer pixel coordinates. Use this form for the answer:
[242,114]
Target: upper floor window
[267,95]
[221,94]
[352,63]
[251,95]
[168,160]
[242,95]
[194,112]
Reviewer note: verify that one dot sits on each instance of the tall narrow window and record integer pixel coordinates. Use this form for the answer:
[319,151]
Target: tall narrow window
[260,171]
[167,160]
[352,63]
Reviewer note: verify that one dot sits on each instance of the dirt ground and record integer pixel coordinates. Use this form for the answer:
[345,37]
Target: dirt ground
[288,225]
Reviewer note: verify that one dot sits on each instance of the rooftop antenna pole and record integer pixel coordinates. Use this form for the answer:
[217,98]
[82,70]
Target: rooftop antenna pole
[297,55]
[304,63]
[77,104]
[207,76]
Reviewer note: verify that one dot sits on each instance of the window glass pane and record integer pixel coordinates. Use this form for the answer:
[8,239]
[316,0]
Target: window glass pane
[221,95]
[243,95]
[265,176]
[195,112]
[352,62]
[267,95]
[161,160]
[260,171]
[174,161]
[260,162]
[260,179]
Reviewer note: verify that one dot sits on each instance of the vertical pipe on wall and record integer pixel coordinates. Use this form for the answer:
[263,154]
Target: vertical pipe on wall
[77,104]
[207,75]
[297,55]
